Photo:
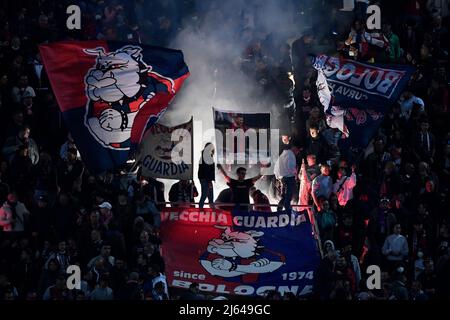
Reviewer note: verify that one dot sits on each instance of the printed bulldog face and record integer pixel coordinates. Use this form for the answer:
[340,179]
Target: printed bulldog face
[235,244]
[163,147]
[115,88]
[116,74]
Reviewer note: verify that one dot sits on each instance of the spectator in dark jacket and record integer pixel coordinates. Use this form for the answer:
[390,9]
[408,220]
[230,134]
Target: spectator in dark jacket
[48,276]
[12,144]
[193,293]
[206,175]
[325,276]
[316,145]
[301,48]
[260,200]
[154,190]
[132,289]
[424,143]
[183,192]
[69,171]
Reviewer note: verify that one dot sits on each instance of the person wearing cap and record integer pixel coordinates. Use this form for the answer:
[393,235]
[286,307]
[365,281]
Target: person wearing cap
[106,214]
[12,144]
[13,214]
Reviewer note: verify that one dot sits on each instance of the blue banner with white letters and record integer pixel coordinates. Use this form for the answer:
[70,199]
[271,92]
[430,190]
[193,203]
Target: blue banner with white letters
[361,85]
[286,243]
[239,253]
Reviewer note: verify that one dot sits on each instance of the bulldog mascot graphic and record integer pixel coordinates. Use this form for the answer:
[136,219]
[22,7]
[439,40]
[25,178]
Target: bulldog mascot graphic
[238,254]
[117,87]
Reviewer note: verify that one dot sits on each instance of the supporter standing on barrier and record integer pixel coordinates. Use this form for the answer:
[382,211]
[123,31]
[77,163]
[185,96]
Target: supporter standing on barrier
[240,188]
[286,171]
[206,175]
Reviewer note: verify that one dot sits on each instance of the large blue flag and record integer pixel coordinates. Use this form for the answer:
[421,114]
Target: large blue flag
[239,253]
[359,85]
[110,93]
[356,97]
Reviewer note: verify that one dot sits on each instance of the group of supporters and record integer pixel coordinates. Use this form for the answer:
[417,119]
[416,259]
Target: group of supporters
[390,207]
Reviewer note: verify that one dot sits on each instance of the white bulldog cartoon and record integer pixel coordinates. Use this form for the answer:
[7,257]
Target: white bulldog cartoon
[117,87]
[237,253]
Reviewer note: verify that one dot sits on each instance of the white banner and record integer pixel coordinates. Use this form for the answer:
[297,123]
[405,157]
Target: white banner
[166,152]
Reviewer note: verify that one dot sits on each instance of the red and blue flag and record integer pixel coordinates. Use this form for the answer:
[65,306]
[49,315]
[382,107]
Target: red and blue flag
[111,93]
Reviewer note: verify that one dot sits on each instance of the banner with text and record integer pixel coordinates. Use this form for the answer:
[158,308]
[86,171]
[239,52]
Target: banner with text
[166,152]
[361,85]
[239,253]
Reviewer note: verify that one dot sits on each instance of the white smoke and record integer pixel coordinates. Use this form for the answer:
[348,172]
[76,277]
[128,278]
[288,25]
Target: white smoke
[213,45]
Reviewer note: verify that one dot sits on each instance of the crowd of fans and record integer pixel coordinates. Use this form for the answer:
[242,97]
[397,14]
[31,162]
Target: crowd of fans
[389,207]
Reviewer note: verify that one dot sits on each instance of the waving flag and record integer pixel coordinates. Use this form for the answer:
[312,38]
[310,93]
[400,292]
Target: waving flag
[239,253]
[360,85]
[356,96]
[304,194]
[334,114]
[110,93]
